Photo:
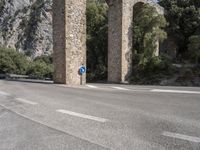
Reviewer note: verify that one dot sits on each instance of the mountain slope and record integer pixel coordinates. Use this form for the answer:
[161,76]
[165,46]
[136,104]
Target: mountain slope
[26,25]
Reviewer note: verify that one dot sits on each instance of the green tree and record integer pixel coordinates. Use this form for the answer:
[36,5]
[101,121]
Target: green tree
[194,47]
[97,39]
[12,62]
[147,31]
[48,59]
[41,67]
[184,21]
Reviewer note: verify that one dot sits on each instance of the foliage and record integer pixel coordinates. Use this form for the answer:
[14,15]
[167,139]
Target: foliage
[155,70]
[147,30]
[41,67]
[97,39]
[194,47]
[48,59]
[12,62]
[184,21]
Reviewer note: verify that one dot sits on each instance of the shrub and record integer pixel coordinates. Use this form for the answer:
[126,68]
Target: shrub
[41,67]
[12,62]
[153,72]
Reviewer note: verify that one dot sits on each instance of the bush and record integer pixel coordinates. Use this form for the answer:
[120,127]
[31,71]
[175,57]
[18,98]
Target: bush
[45,58]
[153,72]
[12,62]
[41,68]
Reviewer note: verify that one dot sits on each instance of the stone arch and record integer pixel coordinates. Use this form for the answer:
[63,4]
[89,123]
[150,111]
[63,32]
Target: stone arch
[120,37]
[69,34]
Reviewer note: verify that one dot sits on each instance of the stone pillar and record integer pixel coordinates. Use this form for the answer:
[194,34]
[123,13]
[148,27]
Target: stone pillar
[69,45]
[114,41]
[119,41]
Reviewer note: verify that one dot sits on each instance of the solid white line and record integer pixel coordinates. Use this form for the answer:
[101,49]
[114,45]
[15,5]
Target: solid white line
[4,93]
[82,115]
[26,101]
[175,91]
[120,88]
[182,137]
[92,86]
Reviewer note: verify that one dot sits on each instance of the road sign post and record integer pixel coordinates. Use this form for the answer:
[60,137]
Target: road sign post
[82,70]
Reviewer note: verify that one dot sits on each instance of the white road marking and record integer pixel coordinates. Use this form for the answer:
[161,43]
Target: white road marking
[120,88]
[174,91]
[82,115]
[26,101]
[92,86]
[182,137]
[139,90]
[4,93]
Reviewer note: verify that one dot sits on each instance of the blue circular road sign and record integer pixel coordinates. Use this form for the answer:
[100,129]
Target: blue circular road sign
[82,70]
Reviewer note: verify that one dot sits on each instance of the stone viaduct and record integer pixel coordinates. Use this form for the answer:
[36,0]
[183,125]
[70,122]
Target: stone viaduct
[69,34]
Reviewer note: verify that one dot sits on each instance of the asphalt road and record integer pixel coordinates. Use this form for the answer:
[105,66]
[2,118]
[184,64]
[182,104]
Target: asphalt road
[45,116]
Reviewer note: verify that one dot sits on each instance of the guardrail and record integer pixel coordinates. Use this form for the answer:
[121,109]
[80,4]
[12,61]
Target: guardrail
[16,76]
[13,76]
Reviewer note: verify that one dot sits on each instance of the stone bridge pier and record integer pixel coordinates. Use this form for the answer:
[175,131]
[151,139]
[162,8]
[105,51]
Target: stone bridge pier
[69,34]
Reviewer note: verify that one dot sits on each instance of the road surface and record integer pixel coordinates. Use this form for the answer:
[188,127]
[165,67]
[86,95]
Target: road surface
[45,116]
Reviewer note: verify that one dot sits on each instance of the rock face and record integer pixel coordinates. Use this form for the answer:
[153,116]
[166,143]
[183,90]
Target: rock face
[26,25]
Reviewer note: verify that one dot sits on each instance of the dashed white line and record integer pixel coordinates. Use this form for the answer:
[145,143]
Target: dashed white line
[174,91]
[92,86]
[26,101]
[4,93]
[82,115]
[120,88]
[182,137]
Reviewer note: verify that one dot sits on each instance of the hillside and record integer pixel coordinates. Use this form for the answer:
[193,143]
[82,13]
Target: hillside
[26,25]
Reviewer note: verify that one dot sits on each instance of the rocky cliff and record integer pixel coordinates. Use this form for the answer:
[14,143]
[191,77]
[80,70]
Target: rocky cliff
[26,25]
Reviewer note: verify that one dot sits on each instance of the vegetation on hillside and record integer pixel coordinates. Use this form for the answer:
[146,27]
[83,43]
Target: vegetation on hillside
[184,25]
[147,32]
[13,62]
[41,68]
